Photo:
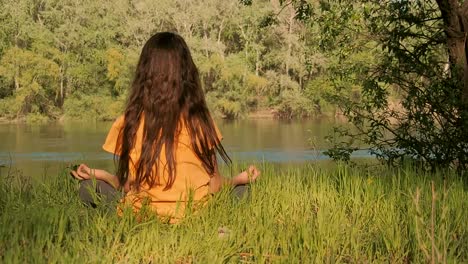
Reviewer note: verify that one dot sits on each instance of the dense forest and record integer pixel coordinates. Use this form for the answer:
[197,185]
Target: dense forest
[75,59]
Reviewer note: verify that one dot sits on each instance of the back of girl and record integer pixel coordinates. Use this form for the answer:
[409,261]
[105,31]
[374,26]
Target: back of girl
[166,142]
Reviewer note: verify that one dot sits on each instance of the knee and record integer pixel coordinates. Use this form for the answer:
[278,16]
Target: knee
[87,192]
[241,191]
[93,192]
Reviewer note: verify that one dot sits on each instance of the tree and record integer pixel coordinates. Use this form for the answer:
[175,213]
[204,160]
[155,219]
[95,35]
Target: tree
[423,60]
[429,121]
[414,99]
[249,57]
[455,18]
[34,77]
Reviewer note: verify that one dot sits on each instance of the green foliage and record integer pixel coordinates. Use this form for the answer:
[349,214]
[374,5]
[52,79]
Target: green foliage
[234,87]
[34,79]
[397,74]
[426,123]
[119,69]
[8,108]
[293,103]
[36,118]
[93,108]
[65,49]
[318,91]
[300,214]
[341,145]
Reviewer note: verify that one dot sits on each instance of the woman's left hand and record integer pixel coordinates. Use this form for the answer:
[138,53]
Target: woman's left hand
[247,176]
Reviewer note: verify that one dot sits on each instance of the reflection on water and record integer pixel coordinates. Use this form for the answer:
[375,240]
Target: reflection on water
[36,148]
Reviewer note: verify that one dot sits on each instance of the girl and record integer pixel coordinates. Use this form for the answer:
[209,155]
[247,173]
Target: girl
[166,142]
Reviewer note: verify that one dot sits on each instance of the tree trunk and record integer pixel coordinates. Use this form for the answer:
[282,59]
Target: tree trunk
[257,63]
[221,27]
[246,41]
[455,17]
[290,28]
[205,38]
[17,84]
[17,69]
[62,79]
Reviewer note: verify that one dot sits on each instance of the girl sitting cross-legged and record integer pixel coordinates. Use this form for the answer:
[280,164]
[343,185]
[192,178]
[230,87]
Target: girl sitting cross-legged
[166,142]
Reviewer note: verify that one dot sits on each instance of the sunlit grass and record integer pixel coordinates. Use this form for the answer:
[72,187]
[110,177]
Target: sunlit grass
[296,214]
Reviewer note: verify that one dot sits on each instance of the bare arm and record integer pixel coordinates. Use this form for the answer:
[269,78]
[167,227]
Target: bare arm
[247,176]
[84,173]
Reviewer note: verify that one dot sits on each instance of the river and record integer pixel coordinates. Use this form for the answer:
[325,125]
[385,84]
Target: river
[37,149]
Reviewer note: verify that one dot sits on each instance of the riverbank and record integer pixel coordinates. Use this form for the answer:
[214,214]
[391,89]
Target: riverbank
[299,214]
[267,113]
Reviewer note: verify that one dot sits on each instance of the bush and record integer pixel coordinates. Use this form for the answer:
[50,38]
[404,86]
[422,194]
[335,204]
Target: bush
[8,108]
[294,104]
[99,108]
[36,118]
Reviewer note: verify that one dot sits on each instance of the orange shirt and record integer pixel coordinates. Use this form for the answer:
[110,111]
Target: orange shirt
[191,180]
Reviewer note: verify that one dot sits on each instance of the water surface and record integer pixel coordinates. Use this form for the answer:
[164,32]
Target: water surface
[38,149]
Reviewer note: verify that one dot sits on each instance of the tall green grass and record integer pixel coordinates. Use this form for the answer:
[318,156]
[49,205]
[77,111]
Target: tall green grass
[301,214]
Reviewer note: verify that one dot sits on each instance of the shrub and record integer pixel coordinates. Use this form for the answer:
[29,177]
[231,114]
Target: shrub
[99,108]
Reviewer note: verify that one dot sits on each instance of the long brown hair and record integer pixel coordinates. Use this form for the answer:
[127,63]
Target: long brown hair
[165,91]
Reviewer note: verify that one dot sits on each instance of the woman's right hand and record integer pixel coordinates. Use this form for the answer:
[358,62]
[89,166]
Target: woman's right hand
[247,176]
[83,172]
